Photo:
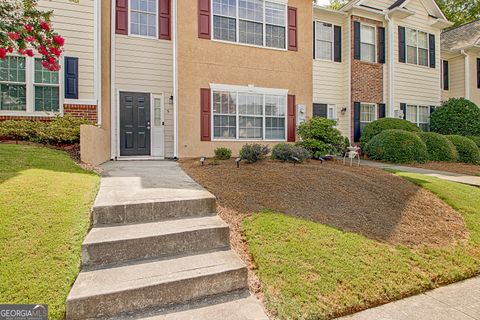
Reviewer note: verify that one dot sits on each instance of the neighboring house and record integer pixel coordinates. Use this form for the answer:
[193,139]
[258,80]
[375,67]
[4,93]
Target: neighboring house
[27,91]
[377,59]
[461,62]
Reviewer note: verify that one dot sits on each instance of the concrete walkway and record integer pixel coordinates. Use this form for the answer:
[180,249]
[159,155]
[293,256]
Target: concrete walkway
[459,301]
[450,176]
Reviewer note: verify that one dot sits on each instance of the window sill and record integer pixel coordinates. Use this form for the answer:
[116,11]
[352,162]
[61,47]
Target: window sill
[29,114]
[246,140]
[248,45]
[329,61]
[370,63]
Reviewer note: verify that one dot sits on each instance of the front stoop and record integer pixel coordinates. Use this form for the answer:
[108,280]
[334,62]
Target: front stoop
[168,258]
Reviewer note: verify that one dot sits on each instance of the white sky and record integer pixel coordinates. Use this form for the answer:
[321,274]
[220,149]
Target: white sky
[323,2]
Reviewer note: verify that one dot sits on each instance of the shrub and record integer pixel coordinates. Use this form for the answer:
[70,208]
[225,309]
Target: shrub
[475,139]
[375,127]
[18,129]
[320,137]
[287,152]
[439,148]
[254,152]
[397,146]
[468,151]
[223,153]
[456,117]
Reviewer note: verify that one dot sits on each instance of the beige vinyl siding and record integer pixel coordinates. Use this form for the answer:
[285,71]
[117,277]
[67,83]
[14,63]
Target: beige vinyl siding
[414,83]
[379,4]
[75,22]
[474,90]
[146,65]
[330,79]
[456,77]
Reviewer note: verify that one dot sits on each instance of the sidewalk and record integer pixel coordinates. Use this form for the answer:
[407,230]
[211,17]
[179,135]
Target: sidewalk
[459,301]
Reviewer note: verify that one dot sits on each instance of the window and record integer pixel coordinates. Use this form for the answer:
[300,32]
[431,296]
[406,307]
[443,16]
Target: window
[47,89]
[324,41]
[249,116]
[332,112]
[143,18]
[417,47]
[254,22]
[367,43]
[419,115]
[368,113]
[13,86]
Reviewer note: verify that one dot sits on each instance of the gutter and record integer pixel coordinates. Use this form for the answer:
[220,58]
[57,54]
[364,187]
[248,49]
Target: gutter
[175,83]
[391,67]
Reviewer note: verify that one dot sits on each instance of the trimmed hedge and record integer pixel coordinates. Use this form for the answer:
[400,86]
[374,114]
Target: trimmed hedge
[468,151]
[475,139]
[286,152]
[380,125]
[439,148]
[320,137]
[456,117]
[397,146]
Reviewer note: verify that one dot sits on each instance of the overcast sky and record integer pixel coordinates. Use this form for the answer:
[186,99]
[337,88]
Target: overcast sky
[323,2]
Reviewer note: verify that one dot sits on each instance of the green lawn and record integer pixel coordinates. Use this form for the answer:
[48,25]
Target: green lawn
[44,217]
[312,271]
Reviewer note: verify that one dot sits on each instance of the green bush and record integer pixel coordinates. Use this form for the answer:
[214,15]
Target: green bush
[439,148]
[19,129]
[320,137]
[456,117]
[468,151]
[397,146]
[223,153]
[287,152]
[475,139]
[377,126]
[254,152]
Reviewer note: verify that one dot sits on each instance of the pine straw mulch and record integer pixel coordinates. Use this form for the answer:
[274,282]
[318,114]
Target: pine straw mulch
[455,167]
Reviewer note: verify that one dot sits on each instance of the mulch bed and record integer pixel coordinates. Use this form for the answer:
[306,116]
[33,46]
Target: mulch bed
[456,167]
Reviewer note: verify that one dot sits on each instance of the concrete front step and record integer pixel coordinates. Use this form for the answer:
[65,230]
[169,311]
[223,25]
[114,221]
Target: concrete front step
[121,243]
[152,211]
[160,283]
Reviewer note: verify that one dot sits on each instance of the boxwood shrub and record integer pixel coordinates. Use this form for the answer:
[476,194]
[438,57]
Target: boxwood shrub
[468,151]
[397,146]
[320,137]
[380,125]
[254,152]
[223,153]
[286,152]
[439,148]
[456,117]
[475,139]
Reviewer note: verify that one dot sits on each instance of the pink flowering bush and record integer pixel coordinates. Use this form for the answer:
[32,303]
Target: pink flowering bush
[24,28]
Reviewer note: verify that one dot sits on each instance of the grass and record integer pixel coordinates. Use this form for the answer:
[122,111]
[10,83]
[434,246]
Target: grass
[44,209]
[313,271]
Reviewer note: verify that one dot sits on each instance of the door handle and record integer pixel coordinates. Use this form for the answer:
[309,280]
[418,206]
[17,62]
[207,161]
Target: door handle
[148,125]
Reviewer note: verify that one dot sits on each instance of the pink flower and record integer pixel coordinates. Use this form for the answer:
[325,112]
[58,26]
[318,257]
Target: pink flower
[29,38]
[59,40]
[55,51]
[45,64]
[42,50]
[51,60]
[10,49]
[22,51]
[3,53]
[53,67]
[14,35]
[45,26]
[28,27]
[30,52]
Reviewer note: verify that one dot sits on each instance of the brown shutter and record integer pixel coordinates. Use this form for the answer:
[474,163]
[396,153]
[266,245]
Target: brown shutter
[204,19]
[292,29]
[121,17]
[164,19]
[205,125]
[291,135]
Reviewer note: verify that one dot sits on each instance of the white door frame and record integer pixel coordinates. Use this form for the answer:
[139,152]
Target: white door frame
[157,138]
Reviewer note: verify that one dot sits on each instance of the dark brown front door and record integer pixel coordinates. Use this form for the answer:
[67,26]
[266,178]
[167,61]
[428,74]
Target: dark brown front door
[134,124]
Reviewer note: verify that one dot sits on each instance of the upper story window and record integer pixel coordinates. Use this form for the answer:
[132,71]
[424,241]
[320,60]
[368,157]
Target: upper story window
[417,47]
[143,18]
[253,22]
[368,43]
[324,41]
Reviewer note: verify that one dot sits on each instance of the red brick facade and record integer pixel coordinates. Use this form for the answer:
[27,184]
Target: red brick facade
[77,110]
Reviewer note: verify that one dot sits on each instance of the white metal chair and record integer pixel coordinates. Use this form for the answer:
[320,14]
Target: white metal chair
[353,152]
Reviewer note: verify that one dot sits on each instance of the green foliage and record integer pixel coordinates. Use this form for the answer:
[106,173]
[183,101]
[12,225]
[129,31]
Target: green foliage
[61,130]
[337,4]
[468,151]
[254,152]
[456,116]
[439,148]
[475,139]
[397,146]
[223,153]
[375,127]
[460,11]
[287,152]
[320,137]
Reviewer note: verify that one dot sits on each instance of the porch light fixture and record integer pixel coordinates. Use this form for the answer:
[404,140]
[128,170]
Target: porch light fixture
[171,100]
[295,160]
[202,160]
[237,161]
[344,110]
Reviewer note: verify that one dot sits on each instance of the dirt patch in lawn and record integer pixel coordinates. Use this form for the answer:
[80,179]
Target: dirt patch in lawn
[364,200]
[462,168]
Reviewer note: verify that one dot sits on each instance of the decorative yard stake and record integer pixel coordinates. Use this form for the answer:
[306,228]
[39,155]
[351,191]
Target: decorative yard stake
[202,160]
[237,161]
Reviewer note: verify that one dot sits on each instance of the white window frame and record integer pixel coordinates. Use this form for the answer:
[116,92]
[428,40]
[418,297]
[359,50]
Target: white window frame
[417,114]
[417,63]
[130,34]
[30,91]
[375,112]
[264,23]
[249,90]
[374,42]
[333,41]
[333,108]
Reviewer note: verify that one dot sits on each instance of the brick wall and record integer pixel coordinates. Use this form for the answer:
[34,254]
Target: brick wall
[80,111]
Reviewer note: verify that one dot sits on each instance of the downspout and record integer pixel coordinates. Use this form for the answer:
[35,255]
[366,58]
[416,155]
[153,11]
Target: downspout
[113,97]
[467,74]
[98,60]
[391,67]
[175,83]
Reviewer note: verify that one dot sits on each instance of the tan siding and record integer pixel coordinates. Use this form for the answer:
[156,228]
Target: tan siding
[457,79]
[474,90]
[146,65]
[75,22]
[379,4]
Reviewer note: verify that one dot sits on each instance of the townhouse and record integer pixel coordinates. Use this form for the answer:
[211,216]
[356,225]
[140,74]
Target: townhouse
[461,62]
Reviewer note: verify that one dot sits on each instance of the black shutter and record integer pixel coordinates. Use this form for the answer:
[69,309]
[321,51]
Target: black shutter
[337,30]
[381,110]
[432,50]
[446,79]
[71,78]
[401,44]
[356,122]
[478,73]
[381,44]
[432,109]
[403,107]
[320,110]
[356,40]
[314,39]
